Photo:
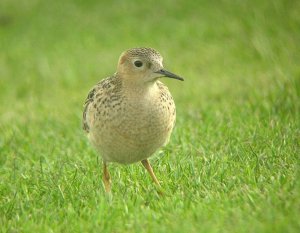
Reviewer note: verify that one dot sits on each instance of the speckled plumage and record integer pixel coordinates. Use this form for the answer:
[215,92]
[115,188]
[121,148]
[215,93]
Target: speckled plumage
[131,114]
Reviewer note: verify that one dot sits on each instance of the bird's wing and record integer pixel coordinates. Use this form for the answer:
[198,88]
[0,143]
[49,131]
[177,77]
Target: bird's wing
[101,90]
[87,107]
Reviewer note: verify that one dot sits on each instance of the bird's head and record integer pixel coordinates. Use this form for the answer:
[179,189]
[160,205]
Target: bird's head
[142,65]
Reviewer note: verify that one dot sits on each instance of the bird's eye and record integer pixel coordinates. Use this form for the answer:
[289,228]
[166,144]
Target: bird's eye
[138,63]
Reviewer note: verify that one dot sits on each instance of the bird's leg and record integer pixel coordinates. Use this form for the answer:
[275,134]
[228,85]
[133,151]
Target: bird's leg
[148,167]
[106,178]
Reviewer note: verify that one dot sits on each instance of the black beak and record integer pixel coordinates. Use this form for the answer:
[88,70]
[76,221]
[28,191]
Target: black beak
[168,74]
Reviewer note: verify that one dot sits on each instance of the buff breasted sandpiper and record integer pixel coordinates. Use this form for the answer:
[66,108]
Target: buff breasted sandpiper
[131,114]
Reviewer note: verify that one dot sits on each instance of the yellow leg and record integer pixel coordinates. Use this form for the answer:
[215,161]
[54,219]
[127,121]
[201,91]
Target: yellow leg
[106,178]
[148,167]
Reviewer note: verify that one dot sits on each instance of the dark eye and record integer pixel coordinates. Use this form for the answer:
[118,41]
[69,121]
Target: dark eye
[138,63]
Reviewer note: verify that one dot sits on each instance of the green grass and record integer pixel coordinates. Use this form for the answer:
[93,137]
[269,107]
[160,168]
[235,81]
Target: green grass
[232,164]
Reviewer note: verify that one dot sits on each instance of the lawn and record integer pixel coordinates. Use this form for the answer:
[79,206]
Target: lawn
[232,164]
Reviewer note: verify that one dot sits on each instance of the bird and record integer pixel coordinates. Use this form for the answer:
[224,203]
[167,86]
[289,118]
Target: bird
[131,114]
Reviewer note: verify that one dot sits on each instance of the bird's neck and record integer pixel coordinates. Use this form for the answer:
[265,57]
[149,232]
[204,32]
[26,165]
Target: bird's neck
[139,90]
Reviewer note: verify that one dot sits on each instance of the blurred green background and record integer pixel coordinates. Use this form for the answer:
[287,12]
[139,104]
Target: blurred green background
[233,161]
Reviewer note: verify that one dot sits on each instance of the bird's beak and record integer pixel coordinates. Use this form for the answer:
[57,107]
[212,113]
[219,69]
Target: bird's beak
[168,74]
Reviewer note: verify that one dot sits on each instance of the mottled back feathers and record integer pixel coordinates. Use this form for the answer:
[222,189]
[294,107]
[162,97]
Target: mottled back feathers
[104,91]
